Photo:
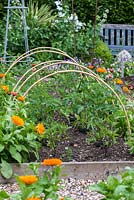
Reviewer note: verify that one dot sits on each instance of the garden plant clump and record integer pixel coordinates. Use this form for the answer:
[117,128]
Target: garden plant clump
[117,187]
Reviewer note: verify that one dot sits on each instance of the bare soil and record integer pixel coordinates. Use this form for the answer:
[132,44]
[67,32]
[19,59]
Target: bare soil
[76,148]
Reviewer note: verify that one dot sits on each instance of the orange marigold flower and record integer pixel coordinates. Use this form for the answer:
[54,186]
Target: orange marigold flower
[28,179]
[62,198]
[5,88]
[40,128]
[2,75]
[125,89]
[33,198]
[17,120]
[91,67]
[119,81]
[21,98]
[101,70]
[52,162]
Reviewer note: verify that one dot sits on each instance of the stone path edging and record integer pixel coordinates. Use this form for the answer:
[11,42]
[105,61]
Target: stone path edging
[79,170]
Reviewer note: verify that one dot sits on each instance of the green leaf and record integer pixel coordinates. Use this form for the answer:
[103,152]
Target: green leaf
[112,182]
[3,195]
[1,147]
[120,191]
[6,169]
[15,154]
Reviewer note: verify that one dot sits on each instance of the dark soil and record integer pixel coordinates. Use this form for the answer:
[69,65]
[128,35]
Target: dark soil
[75,148]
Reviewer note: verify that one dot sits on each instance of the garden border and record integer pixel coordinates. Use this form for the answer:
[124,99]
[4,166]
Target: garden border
[78,170]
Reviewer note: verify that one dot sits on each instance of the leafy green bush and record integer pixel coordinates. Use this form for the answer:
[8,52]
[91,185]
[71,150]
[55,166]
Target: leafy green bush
[102,52]
[117,188]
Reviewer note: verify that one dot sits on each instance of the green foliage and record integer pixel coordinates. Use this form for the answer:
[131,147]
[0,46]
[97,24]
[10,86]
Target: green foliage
[39,15]
[102,51]
[46,186]
[117,188]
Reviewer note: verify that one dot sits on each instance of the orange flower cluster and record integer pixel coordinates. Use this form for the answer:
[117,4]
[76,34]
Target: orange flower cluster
[21,98]
[119,81]
[33,198]
[101,70]
[17,120]
[2,75]
[125,89]
[52,162]
[40,128]
[5,88]
[28,179]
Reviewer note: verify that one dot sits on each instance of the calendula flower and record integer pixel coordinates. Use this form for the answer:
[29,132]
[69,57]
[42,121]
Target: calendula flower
[33,198]
[52,162]
[101,70]
[40,128]
[2,75]
[21,98]
[119,81]
[91,67]
[28,179]
[62,198]
[125,89]
[17,120]
[5,88]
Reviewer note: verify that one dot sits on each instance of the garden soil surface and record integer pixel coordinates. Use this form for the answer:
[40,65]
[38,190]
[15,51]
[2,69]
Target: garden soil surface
[74,147]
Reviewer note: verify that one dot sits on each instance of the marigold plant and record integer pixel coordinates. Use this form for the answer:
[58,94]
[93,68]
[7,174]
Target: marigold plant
[101,70]
[91,67]
[119,81]
[40,128]
[17,120]
[21,98]
[125,89]
[52,162]
[5,88]
[29,179]
[2,75]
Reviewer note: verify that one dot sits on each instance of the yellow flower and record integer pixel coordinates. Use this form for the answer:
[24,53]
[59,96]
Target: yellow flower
[125,89]
[21,98]
[52,162]
[62,198]
[40,128]
[17,120]
[101,70]
[28,180]
[2,75]
[33,198]
[119,81]
[5,88]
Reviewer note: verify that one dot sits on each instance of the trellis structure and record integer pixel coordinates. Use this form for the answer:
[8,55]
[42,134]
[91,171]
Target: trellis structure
[21,5]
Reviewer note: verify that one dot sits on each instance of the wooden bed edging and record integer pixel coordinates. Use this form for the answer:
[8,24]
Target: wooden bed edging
[78,170]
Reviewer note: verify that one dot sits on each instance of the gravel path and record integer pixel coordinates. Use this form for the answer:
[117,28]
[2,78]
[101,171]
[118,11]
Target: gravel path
[76,189]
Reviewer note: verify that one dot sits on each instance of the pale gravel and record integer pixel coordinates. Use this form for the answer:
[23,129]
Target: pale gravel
[76,189]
